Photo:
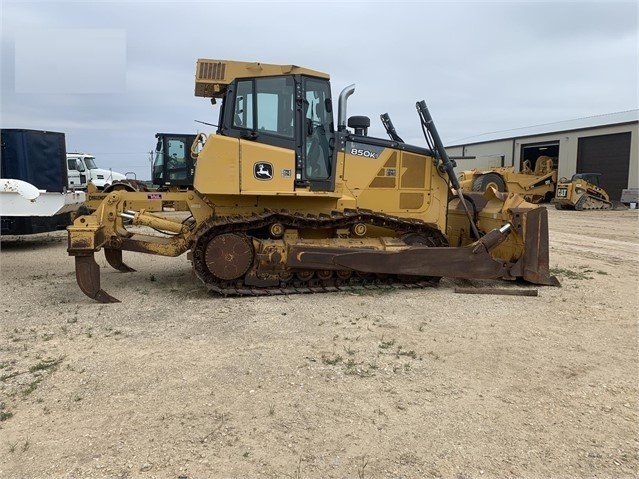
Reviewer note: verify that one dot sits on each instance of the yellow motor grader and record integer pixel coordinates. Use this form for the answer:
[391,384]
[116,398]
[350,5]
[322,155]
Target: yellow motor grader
[285,202]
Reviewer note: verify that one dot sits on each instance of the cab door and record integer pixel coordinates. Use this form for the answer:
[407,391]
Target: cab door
[318,135]
[76,174]
[262,116]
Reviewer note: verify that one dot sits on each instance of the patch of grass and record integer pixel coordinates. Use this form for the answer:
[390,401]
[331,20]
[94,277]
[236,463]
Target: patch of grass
[411,354]
[386,344]
[570,274]
[4,414]
[350,364]
[361,372]
[4,377]
[588,270]
[32,386]
[45,364]
[331,359]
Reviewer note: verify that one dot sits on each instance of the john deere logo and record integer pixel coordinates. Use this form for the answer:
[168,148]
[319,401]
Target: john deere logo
[263,171]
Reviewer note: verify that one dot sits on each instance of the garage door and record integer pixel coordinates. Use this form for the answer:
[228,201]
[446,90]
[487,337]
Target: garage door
[608,155]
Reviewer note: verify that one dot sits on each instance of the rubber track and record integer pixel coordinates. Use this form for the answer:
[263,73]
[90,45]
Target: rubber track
[338,219]
[589,202]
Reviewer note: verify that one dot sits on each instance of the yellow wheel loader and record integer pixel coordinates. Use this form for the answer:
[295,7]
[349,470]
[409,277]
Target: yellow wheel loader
[535,184]
[285,202]
[582,192]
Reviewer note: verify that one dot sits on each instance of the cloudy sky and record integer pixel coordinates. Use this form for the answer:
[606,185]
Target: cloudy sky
[111,74]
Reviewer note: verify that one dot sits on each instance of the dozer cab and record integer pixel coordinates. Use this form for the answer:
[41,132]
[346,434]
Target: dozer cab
[582,192]
[173,161]
[285,202]
[536,183]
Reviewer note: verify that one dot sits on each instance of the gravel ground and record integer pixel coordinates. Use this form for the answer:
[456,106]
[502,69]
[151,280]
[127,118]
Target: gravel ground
[176,382]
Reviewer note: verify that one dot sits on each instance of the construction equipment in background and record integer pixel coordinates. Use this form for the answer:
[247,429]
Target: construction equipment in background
[172,169]
[174,161]
[582,192]
[33,183]
[283,202]
[535,184]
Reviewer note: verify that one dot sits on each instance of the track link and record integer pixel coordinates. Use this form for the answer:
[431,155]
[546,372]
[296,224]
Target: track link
[589,202]
[295,285]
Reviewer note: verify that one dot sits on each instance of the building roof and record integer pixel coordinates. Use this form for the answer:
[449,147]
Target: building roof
[629,116]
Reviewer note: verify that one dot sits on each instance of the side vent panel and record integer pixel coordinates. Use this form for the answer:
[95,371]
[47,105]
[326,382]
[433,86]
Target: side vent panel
[211,71]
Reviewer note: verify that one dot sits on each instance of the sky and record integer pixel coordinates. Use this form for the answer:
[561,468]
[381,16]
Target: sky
[111,74]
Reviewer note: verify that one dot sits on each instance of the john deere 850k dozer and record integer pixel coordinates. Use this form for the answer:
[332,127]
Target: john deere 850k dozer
[284,202]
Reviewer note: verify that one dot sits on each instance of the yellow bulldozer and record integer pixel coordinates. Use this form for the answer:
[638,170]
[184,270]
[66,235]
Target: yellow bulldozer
[582,192]
[285,202]
[535,184]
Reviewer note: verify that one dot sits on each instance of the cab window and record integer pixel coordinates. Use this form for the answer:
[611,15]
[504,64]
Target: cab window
[243,112]
[265,105]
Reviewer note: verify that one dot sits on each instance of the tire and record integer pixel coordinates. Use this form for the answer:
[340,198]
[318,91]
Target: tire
[126,185]
[482,182]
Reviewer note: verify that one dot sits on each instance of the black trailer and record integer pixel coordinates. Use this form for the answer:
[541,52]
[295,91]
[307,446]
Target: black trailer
[39,158]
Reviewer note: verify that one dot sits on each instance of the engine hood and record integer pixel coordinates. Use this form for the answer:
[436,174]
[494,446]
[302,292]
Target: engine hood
[105,175]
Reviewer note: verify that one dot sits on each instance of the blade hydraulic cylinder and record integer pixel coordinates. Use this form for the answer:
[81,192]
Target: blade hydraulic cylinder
[447,165]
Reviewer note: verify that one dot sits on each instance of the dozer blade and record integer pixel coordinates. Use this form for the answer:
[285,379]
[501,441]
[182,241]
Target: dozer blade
[536,254]
[114,258]
[87,274]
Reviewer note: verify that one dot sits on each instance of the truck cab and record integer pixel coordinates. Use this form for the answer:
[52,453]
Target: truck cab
[82,168]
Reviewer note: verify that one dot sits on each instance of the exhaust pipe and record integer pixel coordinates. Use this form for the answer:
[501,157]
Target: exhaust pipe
[341,106]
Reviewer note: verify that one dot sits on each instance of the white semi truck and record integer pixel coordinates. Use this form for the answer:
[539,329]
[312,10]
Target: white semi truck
[82,168]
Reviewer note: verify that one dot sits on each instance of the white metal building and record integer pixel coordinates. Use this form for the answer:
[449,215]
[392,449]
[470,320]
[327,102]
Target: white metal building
[606,144]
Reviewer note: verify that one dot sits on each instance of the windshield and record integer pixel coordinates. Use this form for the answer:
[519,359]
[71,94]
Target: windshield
[90,162]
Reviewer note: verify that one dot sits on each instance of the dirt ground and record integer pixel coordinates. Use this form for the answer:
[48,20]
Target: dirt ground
[175,382]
